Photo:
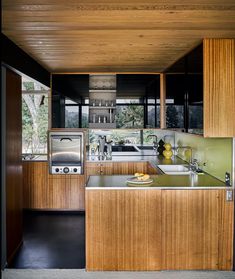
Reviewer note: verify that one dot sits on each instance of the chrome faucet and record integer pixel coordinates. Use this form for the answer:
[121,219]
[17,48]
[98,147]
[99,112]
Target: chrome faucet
[193,163]
[154,142]
[186,147]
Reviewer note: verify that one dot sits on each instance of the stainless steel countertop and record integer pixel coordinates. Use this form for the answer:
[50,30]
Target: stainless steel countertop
[174,182]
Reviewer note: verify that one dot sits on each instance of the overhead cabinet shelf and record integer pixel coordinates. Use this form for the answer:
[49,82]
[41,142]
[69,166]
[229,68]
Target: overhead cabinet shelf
[102,99]
[102,90]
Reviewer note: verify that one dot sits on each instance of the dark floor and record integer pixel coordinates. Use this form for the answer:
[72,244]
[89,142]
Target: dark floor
[52,240]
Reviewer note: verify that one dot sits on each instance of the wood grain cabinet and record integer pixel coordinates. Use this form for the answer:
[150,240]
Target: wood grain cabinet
[122,230]
[158,230]
[45,191]
[219,87]
[202,85]
[196,230]
[108,168]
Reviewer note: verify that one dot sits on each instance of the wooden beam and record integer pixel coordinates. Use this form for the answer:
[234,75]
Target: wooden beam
[162,101]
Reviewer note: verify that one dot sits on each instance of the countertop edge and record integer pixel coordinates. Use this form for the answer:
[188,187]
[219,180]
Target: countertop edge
[161,188]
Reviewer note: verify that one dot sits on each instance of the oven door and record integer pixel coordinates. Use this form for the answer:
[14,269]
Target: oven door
[66,153]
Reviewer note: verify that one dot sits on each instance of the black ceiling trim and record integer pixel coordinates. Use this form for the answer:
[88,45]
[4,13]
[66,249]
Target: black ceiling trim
[15,57]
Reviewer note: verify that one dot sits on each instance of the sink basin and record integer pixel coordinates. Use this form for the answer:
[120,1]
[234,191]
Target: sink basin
[124,148]
[142,147]
[175,169]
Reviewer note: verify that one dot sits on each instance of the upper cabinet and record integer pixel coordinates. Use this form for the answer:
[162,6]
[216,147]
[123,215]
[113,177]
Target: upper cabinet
[219,87]
[200,91]
[105,101]
[184,93]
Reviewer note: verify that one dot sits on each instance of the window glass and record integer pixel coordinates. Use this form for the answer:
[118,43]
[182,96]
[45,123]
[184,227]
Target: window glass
[153,117]
[195,119]
[34,117]
[130,116]
[71,116]
[85,116]
[175,116]
[129,101]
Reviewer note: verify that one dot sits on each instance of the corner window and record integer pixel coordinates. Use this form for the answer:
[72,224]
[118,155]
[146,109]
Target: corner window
[34,117]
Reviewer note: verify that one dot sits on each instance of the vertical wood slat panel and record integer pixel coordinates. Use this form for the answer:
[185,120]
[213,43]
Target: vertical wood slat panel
[45,191]
[226,233]
[162,101]
[197,230]
[219,87]
[123,230]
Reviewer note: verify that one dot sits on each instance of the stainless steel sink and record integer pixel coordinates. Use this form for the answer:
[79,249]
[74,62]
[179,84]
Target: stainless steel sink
[124,148]
[175,169]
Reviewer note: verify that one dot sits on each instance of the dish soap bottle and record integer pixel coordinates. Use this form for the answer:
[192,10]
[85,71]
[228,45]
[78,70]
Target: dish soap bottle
[167,153]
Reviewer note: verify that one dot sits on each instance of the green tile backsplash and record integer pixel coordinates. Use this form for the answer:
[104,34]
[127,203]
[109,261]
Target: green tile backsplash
[213,154]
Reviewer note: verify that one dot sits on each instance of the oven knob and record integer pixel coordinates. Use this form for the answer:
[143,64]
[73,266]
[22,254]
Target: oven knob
[66,170]
[57,170]
[75,169]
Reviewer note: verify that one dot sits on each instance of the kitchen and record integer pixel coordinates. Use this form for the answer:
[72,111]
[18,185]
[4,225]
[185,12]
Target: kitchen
[122,123]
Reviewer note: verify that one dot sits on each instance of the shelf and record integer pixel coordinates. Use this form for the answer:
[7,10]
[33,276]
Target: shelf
[101,107]
[102,125]
[102,90]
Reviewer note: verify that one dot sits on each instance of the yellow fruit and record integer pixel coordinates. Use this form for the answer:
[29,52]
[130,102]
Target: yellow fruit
[139,174]
[144,177]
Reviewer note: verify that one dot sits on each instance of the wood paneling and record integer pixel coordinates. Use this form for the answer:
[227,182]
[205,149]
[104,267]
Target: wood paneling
[13,175]
[196,230]
[158,230]
[130,168]
[219,87]
[226,233]
[45,191]
[114,36]
[163,101]
[122,230]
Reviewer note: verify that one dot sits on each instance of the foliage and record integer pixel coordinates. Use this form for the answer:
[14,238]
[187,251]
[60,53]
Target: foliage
[130,116]
[34,120]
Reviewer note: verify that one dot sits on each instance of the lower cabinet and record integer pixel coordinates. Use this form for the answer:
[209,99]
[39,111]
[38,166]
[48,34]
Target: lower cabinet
[158,230]
[122,168]
[45,191]
[120,235]
[197,228]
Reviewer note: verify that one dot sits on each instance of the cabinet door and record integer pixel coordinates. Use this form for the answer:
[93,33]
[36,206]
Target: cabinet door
[151,169]
[35,178]
[219,84]
[134,167]
[123,230]
[121,168]
[106,169]
[92,169]
[77,192]
[193,230]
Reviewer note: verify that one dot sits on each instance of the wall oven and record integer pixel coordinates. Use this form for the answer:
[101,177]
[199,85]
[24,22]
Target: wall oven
[66,152]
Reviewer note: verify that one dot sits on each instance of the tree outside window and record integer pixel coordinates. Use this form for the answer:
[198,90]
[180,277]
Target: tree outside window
[34,117]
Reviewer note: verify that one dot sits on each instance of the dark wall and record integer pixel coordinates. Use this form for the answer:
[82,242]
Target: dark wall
[13,163]
[15,57]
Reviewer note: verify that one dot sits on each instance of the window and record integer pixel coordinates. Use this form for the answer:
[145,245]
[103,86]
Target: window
[76,114]
[71,116]
[175,116]
[129,113]
[34,117]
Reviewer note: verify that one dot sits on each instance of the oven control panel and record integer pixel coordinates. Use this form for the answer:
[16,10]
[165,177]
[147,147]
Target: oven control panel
[66,170]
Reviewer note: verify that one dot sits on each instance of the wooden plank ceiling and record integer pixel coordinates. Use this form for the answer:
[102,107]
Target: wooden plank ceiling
[114,35]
